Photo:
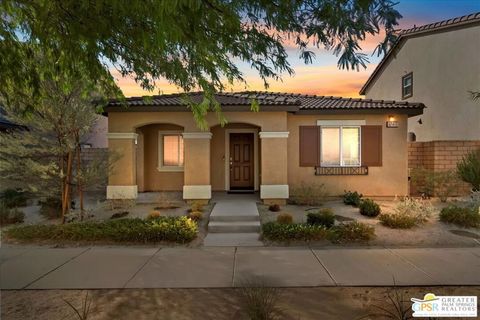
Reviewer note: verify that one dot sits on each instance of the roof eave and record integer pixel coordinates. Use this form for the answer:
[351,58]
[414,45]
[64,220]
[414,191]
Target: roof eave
[179,108]
[411,112]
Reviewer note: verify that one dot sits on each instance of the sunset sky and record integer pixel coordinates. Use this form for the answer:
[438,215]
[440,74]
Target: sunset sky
[322,76]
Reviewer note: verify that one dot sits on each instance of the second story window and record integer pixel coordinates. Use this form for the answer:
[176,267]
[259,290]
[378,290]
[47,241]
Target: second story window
[407,85]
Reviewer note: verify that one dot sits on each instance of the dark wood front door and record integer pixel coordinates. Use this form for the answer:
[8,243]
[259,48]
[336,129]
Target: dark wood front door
[241,161]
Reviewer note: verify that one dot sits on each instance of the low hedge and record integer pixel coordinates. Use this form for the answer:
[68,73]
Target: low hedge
[398,221]
[344,232]
[174,229]
[351,232]
[324,217]
[464,217]
[275,231]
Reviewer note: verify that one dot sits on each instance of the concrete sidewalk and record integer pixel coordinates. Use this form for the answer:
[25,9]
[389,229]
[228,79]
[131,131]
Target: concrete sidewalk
[134,267]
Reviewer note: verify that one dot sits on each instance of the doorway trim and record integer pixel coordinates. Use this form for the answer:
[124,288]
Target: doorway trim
[255,156]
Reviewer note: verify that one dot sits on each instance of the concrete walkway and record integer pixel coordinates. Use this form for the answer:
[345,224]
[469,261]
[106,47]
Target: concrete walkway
[234,221]
[136,267]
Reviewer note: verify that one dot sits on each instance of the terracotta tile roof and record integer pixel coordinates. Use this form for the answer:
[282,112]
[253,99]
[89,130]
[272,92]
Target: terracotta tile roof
[299,102]
[314,102]
[225,99]
[403,35]
[436,26]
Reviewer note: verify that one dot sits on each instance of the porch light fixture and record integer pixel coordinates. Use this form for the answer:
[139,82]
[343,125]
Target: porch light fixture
[392,123]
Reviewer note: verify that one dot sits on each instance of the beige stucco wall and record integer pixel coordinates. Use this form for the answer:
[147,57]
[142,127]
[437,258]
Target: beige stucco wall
[129,121]
[445,67]
[197,161]
[389,180]
[123,170]
[147,125]
[149,178]
[278,157]
[274,161]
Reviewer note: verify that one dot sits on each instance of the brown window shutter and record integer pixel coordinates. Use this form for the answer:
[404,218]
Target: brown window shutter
[372,146]
[309,146]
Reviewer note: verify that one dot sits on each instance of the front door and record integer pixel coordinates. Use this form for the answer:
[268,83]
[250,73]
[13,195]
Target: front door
[241,161]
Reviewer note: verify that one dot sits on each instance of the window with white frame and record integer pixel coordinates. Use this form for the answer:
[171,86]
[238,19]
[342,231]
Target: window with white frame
[170,151]
[407,86]
[340,146]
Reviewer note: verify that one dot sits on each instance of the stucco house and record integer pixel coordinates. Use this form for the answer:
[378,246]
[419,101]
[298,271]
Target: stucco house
[436,64]
[343,143]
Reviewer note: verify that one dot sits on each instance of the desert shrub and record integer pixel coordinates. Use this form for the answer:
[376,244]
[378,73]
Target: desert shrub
[286,232]
[469,169]
[407,214]
[154,214]
[195,215]
[323,217]
[274,208]
[420,209]
[14,198]
[285,218]
[395,306]
[10,215]
[118,215]
[174,229]
[429,183]
[369,208]
[259,300]
[352,198]
[312,194]
[464,217]
[82,313]
[398,221]
[51,208]
[351,232]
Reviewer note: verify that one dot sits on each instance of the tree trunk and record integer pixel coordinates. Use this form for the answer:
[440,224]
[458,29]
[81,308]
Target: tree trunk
[66,195]
[80,181]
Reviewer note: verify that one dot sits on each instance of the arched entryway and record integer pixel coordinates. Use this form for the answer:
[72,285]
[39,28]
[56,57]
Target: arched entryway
[235,157]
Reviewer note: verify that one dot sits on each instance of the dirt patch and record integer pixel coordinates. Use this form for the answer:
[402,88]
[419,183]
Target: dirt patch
[142,304]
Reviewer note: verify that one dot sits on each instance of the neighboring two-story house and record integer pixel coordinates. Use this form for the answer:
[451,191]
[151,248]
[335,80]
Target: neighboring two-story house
[437,64]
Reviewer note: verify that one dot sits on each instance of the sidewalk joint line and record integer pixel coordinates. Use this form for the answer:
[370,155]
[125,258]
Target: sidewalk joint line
[411,263]
[324,267]
[141,267]
[234,263]
[56,268]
